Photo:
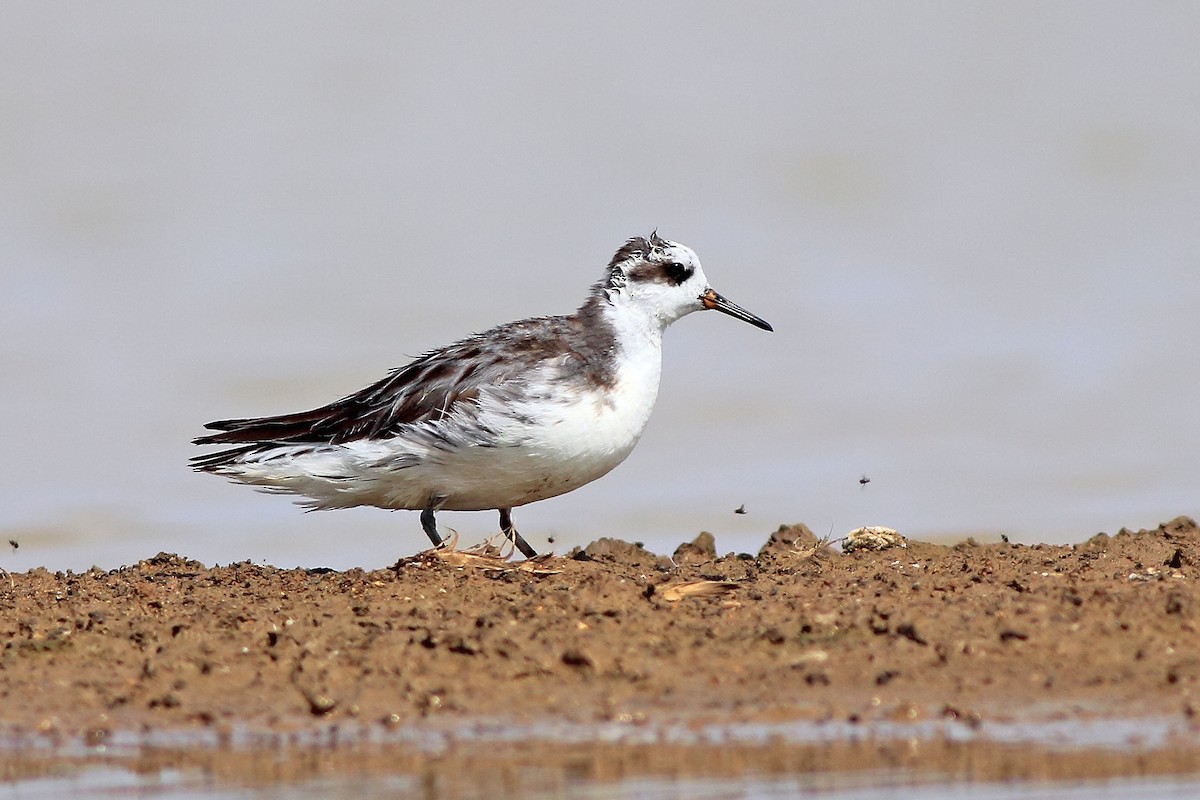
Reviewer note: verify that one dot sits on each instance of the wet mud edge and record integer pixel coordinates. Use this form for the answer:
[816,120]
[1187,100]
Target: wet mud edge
[968,636]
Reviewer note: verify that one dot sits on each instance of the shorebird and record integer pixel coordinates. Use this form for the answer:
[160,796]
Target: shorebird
[519,413]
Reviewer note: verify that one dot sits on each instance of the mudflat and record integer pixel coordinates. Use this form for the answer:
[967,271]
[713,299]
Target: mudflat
[975,635]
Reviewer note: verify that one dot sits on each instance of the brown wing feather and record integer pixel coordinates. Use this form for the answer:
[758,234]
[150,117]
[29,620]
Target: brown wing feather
[423,390]
[427,389]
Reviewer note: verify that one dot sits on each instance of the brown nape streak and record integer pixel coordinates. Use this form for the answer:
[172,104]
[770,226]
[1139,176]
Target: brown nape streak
[636,247]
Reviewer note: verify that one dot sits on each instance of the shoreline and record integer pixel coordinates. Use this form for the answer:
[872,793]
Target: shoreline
[943,645]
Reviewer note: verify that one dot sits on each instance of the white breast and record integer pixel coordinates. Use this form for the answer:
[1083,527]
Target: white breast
[562,436]
[600,426]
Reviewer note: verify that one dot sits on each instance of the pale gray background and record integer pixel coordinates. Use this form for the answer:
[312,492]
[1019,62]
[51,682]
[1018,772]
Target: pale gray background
[974,226]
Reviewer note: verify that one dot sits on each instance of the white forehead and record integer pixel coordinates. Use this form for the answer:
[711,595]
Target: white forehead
[674,251]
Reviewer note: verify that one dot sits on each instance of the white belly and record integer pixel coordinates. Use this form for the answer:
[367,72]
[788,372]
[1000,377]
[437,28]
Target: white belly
[570,444]
[546,448]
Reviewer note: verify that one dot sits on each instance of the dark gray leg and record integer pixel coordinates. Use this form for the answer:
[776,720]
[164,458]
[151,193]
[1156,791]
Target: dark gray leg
[430,525]
[506,525]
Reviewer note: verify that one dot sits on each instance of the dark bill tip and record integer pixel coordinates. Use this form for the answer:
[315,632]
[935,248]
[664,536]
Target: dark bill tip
[711,300]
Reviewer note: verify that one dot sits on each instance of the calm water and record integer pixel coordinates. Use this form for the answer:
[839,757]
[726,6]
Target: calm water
[973,227]
[633,777]
[103,782]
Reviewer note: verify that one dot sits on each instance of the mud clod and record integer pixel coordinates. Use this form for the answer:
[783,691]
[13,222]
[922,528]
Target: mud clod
[700,550]
[797,629]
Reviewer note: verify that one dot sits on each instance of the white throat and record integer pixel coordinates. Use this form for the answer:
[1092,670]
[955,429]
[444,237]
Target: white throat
[636,329]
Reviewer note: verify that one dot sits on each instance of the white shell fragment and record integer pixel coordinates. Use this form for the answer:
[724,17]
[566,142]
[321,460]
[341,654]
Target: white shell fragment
[872,537]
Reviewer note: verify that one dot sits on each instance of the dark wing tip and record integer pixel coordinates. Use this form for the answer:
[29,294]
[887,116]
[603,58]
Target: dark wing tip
[210,462]
[215,439]
[228,432]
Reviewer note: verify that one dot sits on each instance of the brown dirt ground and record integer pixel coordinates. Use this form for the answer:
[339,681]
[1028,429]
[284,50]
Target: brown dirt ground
[977,633]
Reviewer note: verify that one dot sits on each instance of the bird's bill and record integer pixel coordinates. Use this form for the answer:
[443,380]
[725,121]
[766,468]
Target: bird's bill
[711,300]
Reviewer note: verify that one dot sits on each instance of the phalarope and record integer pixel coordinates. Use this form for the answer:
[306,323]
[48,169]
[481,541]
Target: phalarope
[522,412]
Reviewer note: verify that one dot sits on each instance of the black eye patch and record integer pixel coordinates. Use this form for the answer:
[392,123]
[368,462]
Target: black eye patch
[677,273]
